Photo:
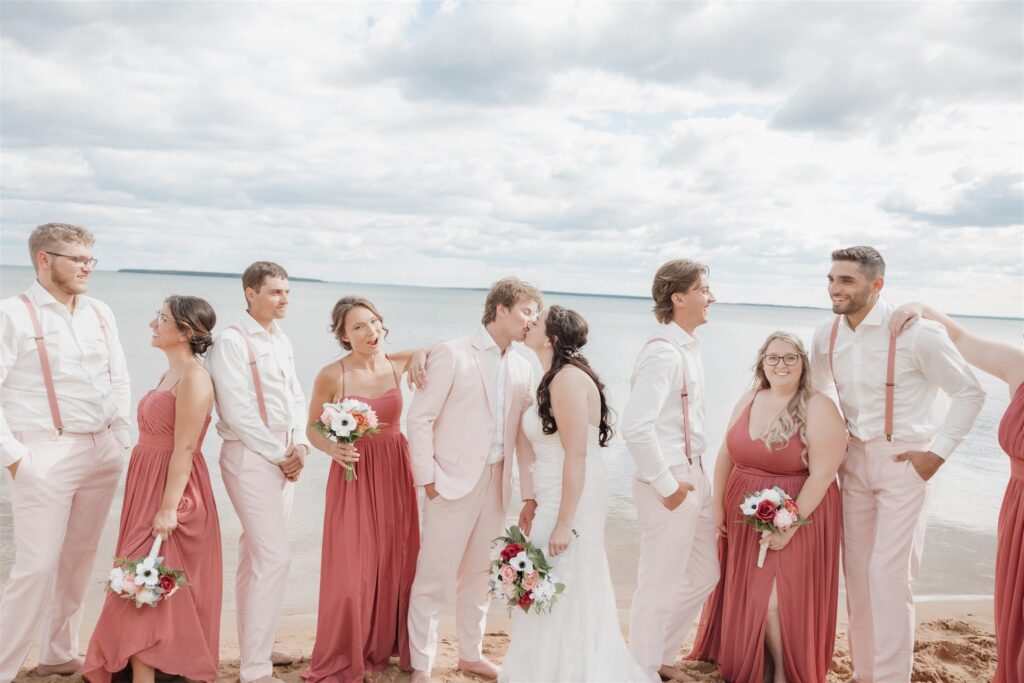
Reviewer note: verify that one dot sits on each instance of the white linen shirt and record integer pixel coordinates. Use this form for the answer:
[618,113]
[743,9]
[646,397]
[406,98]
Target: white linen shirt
[499,367]
[652,423]
[926,361]
[237,409]
[90,399]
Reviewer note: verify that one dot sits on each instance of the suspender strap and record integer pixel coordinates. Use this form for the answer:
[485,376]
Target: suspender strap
[686,400]
[256,383]
[106,337]
[890,376]
[890,386]
[44,361]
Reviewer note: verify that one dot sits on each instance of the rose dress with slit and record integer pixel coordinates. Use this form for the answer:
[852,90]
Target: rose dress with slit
[1009,593]
[805,573]
[371,540]
[181,634]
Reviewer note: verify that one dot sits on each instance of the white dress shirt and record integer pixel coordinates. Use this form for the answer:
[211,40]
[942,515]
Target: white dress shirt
[89,397]
[926,360]
[499,367]
[652,423]
[237,410]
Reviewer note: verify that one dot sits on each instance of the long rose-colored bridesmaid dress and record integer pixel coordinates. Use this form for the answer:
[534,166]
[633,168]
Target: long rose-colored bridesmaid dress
[181,635]
[371,541]
[805,572]
[1009,604]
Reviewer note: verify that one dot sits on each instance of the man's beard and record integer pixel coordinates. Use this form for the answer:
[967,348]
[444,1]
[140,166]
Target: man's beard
[69,284]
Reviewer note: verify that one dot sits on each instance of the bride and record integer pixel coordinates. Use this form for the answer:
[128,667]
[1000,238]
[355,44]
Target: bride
[580,639]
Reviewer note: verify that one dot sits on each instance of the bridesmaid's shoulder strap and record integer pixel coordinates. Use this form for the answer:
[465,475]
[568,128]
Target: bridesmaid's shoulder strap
[394,373]
[341,362]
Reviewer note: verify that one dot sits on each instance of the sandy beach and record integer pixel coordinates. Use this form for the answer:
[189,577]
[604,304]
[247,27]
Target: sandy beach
[955,644]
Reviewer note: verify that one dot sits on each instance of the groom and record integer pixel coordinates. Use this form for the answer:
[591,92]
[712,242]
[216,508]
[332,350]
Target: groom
[664,431]
[462,434]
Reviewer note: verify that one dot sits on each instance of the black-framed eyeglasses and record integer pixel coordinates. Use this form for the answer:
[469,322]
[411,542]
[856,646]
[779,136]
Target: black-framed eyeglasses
[790,359]
[80,261]
[160,317]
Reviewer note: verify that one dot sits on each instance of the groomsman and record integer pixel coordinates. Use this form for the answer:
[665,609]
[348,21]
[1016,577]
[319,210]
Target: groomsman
[663,425]
[263,423]
[462,433]
[886,388]
[64,433]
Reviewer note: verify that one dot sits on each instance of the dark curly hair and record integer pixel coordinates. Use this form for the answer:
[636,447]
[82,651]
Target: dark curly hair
[195,318]
[567,331]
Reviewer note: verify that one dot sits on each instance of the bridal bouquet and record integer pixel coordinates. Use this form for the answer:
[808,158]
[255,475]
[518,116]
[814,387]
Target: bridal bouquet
[345,422]
[770,510]
[521,575]
[146,581]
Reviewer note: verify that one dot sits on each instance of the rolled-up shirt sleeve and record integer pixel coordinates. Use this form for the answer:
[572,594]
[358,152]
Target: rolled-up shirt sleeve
[11,450]
[656,374]
[228,363]
[942,364]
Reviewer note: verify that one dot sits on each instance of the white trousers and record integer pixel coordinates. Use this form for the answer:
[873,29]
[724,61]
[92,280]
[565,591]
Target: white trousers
[60,496]
[677,571]
[262,498]
[455,546]
[883,535]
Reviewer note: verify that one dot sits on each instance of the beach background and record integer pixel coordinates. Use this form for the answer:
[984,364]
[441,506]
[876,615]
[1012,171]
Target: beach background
[953,591]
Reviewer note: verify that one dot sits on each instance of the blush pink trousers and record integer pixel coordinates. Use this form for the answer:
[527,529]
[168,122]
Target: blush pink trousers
[262,498]
[60,497]
[678,568]
[455,548]
[883,535]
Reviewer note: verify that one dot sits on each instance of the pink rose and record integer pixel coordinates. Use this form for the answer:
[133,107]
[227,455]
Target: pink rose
[129,586]
[508,574]
[372,417]
[328,415]
[784,519]
[531,581]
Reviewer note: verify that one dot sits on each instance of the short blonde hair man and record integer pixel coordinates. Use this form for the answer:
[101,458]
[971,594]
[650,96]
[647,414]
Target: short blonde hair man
[47,236]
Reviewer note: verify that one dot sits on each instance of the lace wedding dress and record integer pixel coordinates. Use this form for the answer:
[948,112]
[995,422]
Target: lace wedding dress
[580,639]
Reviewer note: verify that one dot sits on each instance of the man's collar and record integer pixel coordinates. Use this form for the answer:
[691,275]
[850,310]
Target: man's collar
[486,340]
[252,326]
[673,331]
[42,297]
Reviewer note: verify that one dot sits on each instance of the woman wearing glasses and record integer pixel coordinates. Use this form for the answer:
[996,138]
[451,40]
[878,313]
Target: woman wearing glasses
[777,621]
[167,494]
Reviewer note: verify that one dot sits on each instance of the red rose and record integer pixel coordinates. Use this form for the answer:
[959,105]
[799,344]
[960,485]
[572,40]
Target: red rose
[525,600]
[510,551]
[167,583]
[765,511]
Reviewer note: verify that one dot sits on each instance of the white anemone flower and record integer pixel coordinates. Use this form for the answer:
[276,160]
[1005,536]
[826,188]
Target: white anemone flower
[146,574]
[522,563]
[146,597]
[343,424]
[773,495]
[749,506]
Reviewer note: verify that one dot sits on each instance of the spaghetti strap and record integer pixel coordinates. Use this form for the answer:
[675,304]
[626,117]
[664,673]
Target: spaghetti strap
[394,374]
[341,362]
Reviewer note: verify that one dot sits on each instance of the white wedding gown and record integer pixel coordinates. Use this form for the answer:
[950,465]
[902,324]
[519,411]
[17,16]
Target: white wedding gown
[579,640]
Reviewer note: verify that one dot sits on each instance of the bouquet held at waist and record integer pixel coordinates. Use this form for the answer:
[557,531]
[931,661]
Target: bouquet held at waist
[346,422]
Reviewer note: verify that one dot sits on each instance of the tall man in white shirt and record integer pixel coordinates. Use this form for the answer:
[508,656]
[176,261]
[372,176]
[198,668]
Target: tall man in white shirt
[896,445]
[663,425]
[262,419]
[64,432]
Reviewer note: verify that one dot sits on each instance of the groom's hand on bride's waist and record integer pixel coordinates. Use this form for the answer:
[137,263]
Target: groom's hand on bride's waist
[676,499]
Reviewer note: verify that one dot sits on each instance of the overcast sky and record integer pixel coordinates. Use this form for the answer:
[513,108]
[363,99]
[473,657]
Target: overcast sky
[577,145]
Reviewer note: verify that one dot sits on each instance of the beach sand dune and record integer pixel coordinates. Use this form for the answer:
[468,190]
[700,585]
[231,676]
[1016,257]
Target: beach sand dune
[957,649]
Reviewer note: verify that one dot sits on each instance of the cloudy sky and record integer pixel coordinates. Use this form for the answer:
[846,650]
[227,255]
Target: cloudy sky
[578,145]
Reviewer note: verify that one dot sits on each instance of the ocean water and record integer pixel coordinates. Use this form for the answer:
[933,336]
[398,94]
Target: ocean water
[959,556]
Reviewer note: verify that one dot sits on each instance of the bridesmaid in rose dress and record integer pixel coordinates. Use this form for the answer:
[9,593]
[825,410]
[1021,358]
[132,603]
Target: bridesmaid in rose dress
[1007,363]
[780,434]
[167,493]
[371,532]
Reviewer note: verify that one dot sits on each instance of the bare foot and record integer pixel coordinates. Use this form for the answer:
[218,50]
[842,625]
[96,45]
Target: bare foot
[481,667]
[278,658]
[671,673]
[419,677]
[72,666]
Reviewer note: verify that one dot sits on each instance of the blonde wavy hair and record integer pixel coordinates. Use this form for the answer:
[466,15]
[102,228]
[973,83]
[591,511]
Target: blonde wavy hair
[793,420]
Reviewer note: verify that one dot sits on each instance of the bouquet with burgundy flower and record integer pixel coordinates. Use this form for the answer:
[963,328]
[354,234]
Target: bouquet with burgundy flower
[145,581]
[770,510]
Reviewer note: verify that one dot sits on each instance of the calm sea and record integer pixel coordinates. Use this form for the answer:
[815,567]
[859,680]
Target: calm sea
[960,548]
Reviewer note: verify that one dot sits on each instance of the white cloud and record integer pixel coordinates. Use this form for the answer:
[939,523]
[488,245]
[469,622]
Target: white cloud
[575,144]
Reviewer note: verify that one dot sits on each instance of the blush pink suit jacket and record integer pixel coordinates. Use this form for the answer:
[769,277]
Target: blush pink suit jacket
[450,423]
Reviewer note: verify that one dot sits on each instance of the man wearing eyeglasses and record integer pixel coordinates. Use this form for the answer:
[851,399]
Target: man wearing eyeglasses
[64,432]
[886,388]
